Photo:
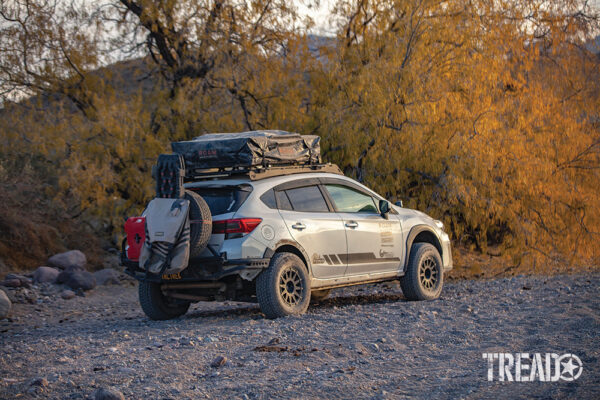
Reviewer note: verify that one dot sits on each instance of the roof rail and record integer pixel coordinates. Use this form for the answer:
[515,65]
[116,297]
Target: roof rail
[258,172]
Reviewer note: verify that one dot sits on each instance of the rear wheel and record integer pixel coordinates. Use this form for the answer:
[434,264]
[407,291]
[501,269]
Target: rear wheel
[283,288]
[156,305]
[424,277]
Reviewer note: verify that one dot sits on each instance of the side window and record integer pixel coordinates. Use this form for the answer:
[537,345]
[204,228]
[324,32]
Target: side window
[283,201]
[269,199]
[350,200]
[308,198]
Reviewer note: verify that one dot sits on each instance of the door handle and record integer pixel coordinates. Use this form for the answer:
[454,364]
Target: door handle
[299,226]
[351,224]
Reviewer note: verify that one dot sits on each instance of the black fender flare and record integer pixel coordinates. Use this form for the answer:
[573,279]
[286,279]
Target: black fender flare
[269,252]
[413,233]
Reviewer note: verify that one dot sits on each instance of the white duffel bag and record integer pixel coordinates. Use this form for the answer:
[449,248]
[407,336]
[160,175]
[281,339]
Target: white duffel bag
[166,249]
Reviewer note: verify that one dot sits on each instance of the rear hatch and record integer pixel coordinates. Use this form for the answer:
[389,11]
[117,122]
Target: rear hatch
[223,200]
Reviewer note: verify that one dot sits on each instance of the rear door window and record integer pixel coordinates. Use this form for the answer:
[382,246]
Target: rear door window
[307,199]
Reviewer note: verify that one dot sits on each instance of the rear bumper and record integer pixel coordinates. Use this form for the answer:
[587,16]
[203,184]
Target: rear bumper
[200,269]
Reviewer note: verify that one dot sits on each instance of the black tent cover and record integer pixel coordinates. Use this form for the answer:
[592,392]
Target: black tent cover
[249,149]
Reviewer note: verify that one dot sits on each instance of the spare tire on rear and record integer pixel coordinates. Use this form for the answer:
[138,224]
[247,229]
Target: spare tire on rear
[200,223]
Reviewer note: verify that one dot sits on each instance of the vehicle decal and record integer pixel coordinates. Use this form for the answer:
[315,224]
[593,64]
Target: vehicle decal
[335,259]
[385,254]
[362,258]
[386,235]
[354,258]
[317,259]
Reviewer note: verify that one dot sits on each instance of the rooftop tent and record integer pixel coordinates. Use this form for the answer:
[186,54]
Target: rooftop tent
[249,149]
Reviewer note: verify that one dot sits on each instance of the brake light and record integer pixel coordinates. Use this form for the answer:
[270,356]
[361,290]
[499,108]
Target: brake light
[239,225]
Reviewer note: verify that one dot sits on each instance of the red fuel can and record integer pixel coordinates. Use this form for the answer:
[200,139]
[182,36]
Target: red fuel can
[135,229]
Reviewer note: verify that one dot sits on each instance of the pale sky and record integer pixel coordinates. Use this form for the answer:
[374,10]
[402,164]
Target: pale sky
[320,15]
[324,23]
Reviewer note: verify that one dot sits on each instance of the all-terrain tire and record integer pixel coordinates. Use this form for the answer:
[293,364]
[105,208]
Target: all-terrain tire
[283,288]
[156,305]
[424,276]
[200,223]
[319,295]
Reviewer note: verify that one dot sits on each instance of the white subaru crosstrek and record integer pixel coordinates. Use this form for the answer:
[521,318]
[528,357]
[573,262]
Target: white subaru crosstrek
[286,239]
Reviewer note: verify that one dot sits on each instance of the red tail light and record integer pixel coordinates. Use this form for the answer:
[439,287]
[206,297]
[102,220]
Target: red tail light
[239,225]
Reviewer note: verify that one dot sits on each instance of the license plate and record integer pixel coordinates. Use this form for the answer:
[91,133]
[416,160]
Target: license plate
[171,277]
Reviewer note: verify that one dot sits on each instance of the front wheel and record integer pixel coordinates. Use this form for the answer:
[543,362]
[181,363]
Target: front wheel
[424,278]
[156,305]
[283,288]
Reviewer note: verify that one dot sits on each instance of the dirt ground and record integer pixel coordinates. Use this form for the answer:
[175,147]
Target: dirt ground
[364,342]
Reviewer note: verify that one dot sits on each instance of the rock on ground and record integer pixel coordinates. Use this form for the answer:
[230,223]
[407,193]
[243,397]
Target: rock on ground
[108,394]
[13,283]
[45,275]
[16,280]
[81,280]
[107,276]
[67,272]
[76,277]
[20,295]
[67,294]
[218,362]
[5,305]
[42,382]
[67,259]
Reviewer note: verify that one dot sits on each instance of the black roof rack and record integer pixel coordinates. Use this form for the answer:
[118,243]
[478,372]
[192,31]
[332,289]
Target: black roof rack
[258,172]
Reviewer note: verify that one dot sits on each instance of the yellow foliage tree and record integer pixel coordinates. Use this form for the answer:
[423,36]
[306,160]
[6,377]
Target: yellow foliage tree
[483,113]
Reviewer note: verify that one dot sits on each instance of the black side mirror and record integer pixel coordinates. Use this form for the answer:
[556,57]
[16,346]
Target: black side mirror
[399,203]
[384,208]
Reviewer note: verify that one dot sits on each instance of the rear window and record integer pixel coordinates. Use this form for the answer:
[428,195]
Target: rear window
[223,200]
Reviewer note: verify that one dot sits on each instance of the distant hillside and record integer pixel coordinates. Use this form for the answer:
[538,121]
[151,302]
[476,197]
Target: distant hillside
[594,45]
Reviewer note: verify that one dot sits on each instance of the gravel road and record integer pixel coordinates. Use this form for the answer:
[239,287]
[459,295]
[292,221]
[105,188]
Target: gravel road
[364,342]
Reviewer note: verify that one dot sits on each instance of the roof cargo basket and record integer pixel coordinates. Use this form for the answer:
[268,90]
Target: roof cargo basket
[257,173]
